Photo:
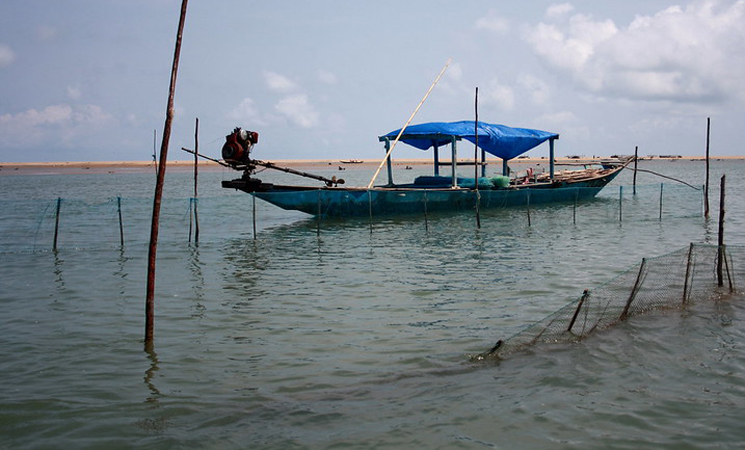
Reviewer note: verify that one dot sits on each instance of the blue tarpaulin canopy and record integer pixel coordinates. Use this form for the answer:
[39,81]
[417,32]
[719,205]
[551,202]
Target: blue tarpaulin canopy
[498,140]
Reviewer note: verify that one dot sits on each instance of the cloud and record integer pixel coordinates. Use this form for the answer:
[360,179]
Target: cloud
[247,114]
[559,10]
[493,22]
[537,89]
[6,55]
[52,125]
[279,83]
[74,92]
[499,94]
[327,77]
[680,54]
[298,110]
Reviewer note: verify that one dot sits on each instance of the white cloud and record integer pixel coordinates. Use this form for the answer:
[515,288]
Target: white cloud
[559,10]
[247,114]
[74,92]
[52,125]
[688,54]
[327,77]
[298,110]
[6,55]
[493,22]
[498,94]
[537,89]
[454,72]
[279,83]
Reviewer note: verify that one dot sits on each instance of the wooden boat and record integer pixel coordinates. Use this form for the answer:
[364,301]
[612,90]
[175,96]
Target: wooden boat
[452,192]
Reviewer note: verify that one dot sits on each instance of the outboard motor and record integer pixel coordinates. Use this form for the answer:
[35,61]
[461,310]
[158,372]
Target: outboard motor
[237,148]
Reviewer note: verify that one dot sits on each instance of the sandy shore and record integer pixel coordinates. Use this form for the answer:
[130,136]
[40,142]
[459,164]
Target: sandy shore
[8,168]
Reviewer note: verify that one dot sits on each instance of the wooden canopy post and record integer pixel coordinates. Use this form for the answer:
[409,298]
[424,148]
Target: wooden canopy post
[388,162]
[454,160]
[150,293]
[551,157]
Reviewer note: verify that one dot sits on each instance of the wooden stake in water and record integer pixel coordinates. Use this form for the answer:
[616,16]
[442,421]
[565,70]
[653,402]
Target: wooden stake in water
[476,159]
[720,252]
[620,203]
[706,185]
[661,185]
[253,214]
[121,225]
[426,220]
[688,273]
[56,223]
[196,194]
[318,216]
[635,290]
[150,292]
[574,210]
[196,171]
[636,158]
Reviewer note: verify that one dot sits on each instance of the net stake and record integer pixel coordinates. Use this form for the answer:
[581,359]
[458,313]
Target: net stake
[153,248]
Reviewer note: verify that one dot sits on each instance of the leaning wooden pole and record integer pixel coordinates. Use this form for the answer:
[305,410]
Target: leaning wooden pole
[720,243]
[706,185]
[390,150]
[150,295]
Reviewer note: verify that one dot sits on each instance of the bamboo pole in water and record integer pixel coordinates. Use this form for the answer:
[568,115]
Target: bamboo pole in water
[636,158]
[253,214]
[154,228]
[121,225]
[706,185]
[476,159]
[56,223]
[688,273]
[196,194]
[720,252]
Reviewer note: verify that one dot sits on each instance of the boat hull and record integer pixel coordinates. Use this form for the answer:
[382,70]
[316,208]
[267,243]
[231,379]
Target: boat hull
[382,201]
[377,202]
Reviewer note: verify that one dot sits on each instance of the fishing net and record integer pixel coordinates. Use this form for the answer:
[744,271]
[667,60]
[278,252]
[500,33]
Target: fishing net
[668,281]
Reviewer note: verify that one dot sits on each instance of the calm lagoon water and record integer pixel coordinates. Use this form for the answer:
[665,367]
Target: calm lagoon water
[352,334]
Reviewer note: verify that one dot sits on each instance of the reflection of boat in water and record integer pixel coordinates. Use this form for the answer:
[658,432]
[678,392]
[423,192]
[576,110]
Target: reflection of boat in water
[438,192]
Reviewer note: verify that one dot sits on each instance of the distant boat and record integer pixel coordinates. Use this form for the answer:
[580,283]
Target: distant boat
[351,161]
[431,193]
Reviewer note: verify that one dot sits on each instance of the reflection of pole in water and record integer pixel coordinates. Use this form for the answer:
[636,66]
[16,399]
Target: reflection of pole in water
[58,280]
[149,374]
[195,266]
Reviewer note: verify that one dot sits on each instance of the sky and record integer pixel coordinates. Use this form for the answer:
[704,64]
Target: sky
[87,80]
